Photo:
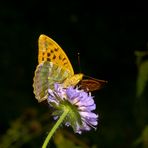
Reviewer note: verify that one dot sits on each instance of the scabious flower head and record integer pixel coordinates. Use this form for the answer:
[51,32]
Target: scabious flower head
[79,103]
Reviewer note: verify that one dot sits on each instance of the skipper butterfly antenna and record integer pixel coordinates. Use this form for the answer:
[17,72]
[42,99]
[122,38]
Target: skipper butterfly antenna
[95,79]
[79,62]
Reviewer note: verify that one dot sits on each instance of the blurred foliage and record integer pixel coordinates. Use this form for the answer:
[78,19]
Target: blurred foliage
[142,72]
[143,139]
[21,130]
[141,102]
[25,130]
[65,139]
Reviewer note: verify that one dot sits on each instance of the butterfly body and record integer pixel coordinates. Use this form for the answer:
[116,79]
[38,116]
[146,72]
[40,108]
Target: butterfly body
[74,80]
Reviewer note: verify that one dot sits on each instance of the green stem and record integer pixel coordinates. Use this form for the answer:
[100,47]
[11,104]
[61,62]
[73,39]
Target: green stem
[55,127]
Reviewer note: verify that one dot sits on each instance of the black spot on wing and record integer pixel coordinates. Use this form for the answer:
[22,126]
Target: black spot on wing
[48,59]
[60,58]
[63,59]
[56,49]
[51,51]
[48,54]
[65,63]
[54,56]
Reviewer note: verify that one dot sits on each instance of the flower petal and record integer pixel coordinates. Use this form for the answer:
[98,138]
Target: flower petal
[81,104]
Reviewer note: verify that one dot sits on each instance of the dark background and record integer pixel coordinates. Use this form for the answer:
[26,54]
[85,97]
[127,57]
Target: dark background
[106,37]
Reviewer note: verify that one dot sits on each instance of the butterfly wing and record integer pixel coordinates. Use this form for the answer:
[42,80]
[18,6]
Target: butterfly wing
[46,74]
[92,84]
[54,66]
[49,50]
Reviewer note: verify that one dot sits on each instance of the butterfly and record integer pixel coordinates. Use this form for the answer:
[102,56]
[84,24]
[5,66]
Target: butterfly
[54,66]
[92,84]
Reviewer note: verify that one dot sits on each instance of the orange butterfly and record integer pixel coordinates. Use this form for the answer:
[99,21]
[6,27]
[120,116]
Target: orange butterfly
[92,84]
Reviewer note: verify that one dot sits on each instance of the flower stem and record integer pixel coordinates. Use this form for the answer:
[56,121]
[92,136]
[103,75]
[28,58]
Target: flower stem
[55,127]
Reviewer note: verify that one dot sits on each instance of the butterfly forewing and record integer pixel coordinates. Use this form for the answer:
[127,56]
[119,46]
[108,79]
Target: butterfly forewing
[49,50]
[92,84]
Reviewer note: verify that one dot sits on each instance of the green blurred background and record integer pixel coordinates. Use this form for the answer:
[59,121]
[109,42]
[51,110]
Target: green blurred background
[106,37]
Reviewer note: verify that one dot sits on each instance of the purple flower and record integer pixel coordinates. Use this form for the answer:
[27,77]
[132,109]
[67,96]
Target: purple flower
[80,105]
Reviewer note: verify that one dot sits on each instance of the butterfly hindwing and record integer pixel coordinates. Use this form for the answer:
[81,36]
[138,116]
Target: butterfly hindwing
[46,75]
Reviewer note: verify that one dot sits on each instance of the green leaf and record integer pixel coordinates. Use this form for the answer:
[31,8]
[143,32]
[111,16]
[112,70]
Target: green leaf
[61,141]
[143,139]
[142,78]
[46,74]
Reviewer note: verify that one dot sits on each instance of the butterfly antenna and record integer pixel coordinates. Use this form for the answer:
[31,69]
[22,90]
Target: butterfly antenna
[95,79]
[79,62]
